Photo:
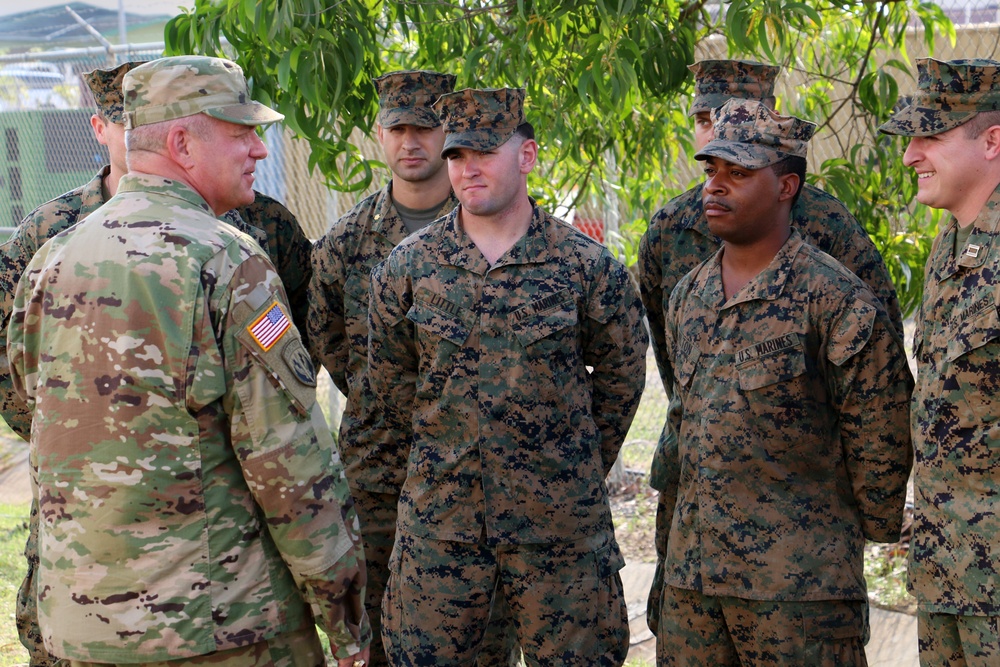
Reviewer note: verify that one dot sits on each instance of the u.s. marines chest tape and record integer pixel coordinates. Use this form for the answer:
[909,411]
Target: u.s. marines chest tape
[268,334]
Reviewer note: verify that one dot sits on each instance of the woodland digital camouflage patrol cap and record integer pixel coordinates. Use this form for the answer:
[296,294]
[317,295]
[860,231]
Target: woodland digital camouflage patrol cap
[749,134]
[949,93]
[717,81]
[407,98]
[480,119]
[181,86]
[106,86]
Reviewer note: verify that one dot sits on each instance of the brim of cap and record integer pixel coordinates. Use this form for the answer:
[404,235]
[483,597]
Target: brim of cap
[914,121]
[416,116]
[251,113]
[476,140]
[708,102]
[748,156]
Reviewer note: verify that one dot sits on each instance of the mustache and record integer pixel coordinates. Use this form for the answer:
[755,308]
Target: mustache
[716,201]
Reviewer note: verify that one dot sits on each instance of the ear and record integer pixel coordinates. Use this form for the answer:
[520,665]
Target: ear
[527,155]
[98,124]
[181,146]
[992,137]
[788,185]
[378,129]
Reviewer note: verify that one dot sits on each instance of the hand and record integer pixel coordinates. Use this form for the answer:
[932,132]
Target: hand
[359,659]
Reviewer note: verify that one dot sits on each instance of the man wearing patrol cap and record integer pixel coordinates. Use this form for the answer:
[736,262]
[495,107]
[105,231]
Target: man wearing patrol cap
[192,504]
[375,460]
[483,325]
[266,220]
[793,443]
[953,121]
[678,239]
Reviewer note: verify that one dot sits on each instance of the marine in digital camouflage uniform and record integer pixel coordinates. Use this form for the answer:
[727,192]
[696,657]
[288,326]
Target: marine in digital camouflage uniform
[419,192]
[678,239]
[793,444]
[483,325]
[192,503]
[266,220]
[953,121]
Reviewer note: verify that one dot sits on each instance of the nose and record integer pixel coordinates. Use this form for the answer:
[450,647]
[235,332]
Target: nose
[410,139]
[471,166]
[913,152]
[258,150]
[715,184]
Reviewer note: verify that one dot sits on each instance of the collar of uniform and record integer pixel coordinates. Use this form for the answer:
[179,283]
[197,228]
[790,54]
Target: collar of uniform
[984,231]
[457,249]
[765,286]
[92,196]
[533,247]
[385,218]
[234,219]
[134,182]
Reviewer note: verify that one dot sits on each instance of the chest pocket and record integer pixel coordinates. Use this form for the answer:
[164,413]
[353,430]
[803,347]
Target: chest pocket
[439,318]
[974,332]
[545,317]
[785,399]
[775,367]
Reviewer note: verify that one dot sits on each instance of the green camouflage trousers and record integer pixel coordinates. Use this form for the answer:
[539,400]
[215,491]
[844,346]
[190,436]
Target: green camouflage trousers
[707,631]
[26,611]
[377,514]
[951,640]
[566,601]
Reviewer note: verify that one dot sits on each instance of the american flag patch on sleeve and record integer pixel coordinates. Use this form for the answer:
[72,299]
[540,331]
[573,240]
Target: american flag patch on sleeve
[268,329]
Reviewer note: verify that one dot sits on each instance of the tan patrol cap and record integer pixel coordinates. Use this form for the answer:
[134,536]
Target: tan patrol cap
[480,119]
[949,93]
[106,86]
[749,134]
[181,86]
[407,98]
[717,81]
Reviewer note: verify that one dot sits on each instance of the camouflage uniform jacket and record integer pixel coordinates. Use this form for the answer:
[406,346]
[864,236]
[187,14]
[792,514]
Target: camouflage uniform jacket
[678,239]
[342,262]
[266,220]
[794,440]
[191,498]
[487,367]
[954,553]
[277,231]
[37,227]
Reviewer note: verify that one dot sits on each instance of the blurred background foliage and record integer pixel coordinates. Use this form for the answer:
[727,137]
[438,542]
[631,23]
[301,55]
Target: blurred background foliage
[607,86]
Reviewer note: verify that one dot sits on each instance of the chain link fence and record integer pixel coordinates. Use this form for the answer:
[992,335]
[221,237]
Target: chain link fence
[47,147]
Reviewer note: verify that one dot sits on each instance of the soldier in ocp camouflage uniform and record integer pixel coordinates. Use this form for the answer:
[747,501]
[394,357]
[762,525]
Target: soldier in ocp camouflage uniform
[678,239]
[793,445]
[483,325]
[411,137]
[192,504]
[954,560]
[266,220]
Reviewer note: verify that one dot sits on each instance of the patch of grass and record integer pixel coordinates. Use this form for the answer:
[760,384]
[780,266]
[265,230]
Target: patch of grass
[652,410]
[13,534]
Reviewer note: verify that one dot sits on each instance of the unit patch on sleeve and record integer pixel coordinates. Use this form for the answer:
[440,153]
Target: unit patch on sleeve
[268,329]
